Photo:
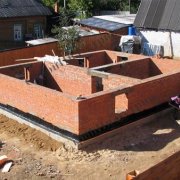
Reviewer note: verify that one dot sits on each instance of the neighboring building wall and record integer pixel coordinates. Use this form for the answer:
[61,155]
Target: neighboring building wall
[122,31]
[27,24]
[169,40]
[95,42]
[7,26]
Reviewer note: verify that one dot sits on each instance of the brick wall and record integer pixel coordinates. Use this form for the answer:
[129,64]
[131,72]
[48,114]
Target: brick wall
[107,107]
[140,69]
[167,65]
[96,112]
[9,57]
[86,44]
[115,81]
[68,79]
[113,55]
[151,93]
[94,59]
[136,69]
[18,71]
[98,109]
[52,106]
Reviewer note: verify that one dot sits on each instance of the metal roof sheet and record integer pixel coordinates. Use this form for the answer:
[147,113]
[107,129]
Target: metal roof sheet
[160,15]
[123,19]
[20,8]
[102,24]
[41,41]
[142,13]
[166,16]
[150,14]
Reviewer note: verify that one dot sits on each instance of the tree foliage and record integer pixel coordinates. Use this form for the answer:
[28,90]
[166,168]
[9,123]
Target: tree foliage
[67,36]
[84,7]
[49,3]
[122,5]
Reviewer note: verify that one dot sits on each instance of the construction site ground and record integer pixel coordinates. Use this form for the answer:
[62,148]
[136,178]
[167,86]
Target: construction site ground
[36,156]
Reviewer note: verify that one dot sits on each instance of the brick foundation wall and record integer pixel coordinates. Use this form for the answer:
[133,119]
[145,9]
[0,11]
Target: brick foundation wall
[104,108]
[115,81]
[167,65]
[52,106]
[9,57]
[122,96]
[35,69]
[94,59]
[68,79]
[113,55]
[136,69]
[151,93]
[96,112]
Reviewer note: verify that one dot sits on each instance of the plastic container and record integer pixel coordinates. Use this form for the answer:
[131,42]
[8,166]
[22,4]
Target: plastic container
[131,30]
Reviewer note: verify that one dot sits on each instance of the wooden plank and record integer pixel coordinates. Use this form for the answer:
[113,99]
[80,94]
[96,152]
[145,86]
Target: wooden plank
[166,170]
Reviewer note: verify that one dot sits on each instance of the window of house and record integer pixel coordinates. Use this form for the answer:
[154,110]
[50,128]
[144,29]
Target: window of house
[17,32]
[38,32]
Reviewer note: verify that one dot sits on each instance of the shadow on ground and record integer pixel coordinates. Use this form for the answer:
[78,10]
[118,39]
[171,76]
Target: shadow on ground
[152,136]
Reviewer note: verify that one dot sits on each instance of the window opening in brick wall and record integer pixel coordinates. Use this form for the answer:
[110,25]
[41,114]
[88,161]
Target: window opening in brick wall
[121,103]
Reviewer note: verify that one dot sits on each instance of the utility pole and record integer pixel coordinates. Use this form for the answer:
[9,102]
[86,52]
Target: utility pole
[64,4]
[129,6]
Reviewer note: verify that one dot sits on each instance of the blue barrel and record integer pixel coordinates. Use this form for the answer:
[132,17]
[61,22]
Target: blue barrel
[131,30]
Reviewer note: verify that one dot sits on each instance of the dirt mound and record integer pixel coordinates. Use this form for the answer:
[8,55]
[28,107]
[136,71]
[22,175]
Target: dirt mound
[38,139]
[65,154]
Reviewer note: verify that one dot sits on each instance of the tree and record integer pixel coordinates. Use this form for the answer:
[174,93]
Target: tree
[122,5]
[67,36]
[49,3]
[83,7]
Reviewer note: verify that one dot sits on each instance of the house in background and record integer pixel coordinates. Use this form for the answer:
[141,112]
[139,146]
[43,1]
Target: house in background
[158,22]
[117,24]
[21,20]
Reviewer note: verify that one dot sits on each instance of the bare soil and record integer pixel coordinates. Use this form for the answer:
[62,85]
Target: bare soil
[36,156]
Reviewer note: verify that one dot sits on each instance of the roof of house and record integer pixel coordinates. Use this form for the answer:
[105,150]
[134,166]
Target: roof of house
[158,14]
[21,8]
[119,18]
[102,24]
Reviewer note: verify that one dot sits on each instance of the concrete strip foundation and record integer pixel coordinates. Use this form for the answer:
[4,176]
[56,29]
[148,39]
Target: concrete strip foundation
[99,138]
